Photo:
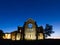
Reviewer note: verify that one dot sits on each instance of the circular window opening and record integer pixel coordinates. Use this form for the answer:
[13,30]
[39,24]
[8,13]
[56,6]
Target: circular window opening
[30,25]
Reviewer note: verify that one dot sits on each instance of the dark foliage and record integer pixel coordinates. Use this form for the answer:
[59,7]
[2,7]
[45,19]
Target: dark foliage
[48,30]
[1,34]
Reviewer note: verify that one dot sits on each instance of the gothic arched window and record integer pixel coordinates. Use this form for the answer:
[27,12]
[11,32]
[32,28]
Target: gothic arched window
[30,25]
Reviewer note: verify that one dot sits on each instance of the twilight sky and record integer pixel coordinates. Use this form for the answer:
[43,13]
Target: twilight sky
[15,12]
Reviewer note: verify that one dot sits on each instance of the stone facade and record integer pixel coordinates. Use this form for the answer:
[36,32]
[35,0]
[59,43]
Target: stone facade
[29,31]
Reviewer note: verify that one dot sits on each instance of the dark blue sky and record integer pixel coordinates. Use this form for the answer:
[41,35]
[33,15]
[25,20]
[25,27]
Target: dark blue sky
[16,12]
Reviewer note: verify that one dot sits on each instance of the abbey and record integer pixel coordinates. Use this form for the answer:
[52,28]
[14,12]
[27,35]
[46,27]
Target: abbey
[29,31]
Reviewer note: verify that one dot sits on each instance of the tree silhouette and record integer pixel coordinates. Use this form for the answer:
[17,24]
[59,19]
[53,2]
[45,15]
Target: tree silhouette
[48,30]
[1,34]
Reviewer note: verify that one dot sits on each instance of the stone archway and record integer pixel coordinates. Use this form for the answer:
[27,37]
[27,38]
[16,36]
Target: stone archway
[30,30]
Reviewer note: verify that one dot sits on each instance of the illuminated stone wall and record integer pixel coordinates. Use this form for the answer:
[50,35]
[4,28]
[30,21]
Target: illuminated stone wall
[7,36]
[30,33]
[40,36]
[13,36]
[18,36]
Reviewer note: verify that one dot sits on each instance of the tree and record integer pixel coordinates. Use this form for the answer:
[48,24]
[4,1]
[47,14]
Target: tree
[1,34]
[48,30]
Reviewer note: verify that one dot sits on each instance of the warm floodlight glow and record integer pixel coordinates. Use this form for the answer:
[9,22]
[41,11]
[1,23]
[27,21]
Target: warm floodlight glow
[40,36]
[13,36]
[7,36]
[30,36]
[18,36]
[4,37]
[20,30]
